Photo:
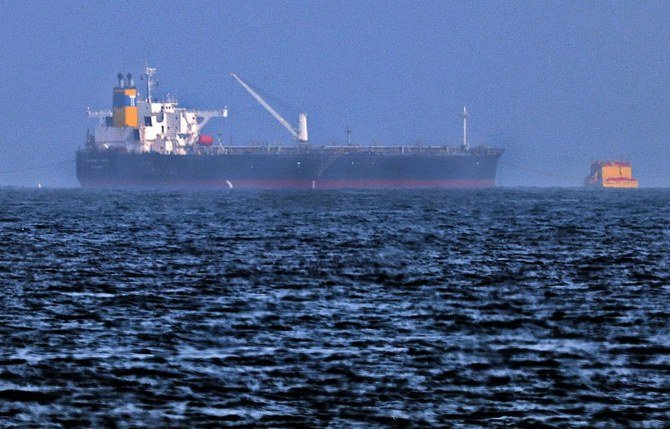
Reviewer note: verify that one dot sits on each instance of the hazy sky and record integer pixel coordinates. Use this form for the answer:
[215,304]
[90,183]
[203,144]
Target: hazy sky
[556,84]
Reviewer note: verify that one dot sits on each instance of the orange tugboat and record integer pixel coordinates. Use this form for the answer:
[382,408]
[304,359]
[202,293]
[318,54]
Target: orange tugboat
[611,174]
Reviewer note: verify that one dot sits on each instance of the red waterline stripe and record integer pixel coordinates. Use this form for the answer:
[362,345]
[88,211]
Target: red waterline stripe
[299,184]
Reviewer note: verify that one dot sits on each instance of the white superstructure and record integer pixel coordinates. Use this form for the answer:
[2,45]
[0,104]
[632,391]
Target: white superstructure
[147,125]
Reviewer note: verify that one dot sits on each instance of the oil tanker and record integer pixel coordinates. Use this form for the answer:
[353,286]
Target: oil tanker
[144,142]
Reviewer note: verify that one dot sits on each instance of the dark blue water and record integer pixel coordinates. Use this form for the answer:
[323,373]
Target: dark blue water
[497,308]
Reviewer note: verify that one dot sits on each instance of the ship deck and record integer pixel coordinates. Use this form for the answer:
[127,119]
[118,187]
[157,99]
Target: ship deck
[354,149]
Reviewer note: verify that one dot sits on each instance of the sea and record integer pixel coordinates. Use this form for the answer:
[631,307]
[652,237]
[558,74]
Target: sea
[344,309]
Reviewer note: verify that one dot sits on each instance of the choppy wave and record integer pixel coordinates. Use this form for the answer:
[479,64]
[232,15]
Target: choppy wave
[493,308]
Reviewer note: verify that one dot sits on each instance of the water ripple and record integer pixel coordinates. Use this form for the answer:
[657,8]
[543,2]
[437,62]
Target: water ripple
[496,308]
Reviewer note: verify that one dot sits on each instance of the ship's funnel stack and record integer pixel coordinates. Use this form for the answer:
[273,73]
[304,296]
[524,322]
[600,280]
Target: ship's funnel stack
[302,128]
[124,103]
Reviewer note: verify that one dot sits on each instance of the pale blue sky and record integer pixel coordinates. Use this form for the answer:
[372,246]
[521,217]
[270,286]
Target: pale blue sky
[555,84]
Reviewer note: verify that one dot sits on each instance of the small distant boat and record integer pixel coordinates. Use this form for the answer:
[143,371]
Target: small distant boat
[611,174]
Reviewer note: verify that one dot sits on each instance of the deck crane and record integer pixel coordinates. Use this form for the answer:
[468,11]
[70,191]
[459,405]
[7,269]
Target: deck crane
[300,134]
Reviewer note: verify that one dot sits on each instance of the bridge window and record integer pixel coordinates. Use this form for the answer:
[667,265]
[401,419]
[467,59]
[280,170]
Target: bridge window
[147,121]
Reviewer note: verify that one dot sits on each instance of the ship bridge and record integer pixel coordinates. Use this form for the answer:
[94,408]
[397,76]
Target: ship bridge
[140,125]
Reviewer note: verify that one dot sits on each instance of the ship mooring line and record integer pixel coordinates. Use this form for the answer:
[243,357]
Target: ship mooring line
[539,172]
[37,167]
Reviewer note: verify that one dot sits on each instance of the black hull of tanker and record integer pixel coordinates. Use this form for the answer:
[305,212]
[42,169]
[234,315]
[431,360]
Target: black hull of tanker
[310,170]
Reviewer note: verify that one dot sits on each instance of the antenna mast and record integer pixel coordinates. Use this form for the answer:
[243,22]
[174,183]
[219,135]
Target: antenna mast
[149,72]
[465,129]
